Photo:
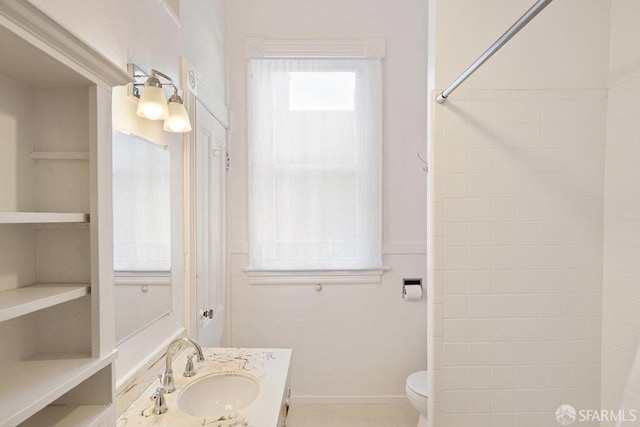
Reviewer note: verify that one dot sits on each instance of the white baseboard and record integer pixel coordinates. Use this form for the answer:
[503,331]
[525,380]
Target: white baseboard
[349,400]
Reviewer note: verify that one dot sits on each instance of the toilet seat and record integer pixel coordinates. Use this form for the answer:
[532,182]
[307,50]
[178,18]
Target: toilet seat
[416,388]
[417,383]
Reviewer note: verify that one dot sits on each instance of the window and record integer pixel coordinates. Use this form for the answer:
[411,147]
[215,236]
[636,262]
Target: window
[315,164]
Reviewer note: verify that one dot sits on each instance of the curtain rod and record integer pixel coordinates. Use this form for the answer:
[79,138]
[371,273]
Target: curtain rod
[524,20]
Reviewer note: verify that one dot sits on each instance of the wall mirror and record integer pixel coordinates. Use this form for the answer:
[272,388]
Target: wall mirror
[141,233]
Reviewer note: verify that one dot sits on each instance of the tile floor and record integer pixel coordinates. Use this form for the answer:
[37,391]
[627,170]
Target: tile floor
[352,416]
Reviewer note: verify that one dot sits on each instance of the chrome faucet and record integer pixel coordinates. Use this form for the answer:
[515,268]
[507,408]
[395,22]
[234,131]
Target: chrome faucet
[167,381]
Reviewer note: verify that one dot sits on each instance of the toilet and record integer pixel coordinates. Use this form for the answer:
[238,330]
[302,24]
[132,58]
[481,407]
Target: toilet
[416,389]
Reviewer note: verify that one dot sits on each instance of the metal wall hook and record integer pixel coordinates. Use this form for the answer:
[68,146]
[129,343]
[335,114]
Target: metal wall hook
[425,169]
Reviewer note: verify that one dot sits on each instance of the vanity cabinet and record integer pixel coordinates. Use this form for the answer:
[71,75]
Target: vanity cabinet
[286,406]
[56,301]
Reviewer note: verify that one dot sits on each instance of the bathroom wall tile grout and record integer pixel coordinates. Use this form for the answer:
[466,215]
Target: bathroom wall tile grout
[520,250]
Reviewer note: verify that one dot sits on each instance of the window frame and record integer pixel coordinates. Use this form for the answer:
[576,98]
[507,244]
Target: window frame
[316,49]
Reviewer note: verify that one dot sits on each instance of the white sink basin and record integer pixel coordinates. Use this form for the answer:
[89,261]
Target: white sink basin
[218,394]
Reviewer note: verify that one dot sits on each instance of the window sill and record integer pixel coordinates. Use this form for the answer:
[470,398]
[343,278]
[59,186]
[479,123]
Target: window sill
[315,277]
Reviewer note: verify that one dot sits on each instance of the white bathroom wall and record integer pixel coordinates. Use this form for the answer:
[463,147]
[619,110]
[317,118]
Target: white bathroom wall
[350,342]
[148,33]
[565,46]
[204,43]
[517,156]
[621,308]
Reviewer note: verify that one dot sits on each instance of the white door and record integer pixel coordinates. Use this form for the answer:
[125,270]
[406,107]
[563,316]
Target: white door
[210,275]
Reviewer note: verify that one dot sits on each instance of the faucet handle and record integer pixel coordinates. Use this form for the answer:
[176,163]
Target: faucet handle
[189,370]
[160,406]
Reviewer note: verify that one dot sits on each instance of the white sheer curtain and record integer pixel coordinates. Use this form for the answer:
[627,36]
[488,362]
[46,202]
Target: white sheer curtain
[315,164]
[141,205]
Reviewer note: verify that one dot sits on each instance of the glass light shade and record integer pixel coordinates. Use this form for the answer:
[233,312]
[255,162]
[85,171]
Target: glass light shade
[152,104]
[178,120]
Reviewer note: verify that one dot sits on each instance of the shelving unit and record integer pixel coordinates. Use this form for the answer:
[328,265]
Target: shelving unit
[68,416]
[41,217]
[60,155]
[48,377]
[28,299]
[56,303]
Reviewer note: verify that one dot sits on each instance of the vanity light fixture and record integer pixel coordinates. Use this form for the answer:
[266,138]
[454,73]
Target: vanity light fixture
[152,102]
[178,120]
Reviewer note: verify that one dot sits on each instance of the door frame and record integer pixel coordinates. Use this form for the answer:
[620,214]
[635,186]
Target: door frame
[196,90]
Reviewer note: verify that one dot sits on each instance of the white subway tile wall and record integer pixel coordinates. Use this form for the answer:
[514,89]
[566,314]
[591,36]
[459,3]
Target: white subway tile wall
[621,287]
[516,188]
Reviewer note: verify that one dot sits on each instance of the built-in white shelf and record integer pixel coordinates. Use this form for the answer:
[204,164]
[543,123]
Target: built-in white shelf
[60,167]
[60,155]
[25,300]
[61,226]
[41,217]
[68,416]
[30,385]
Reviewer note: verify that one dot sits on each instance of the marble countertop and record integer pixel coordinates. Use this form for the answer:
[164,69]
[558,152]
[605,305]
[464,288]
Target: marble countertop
[269,366]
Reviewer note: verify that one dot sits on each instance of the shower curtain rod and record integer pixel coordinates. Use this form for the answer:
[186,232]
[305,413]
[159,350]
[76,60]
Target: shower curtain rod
[524,20]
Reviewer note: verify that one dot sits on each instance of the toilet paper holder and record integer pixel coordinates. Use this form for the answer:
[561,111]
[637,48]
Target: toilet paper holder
[410,282]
